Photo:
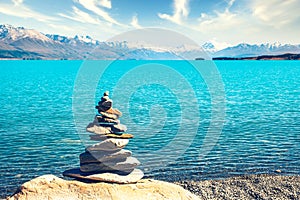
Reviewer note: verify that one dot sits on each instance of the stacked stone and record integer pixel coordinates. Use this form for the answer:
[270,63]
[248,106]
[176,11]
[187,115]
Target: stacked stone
[107,160]
[106,123]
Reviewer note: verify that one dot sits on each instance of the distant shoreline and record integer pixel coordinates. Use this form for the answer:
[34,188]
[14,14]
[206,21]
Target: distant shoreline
[287,56]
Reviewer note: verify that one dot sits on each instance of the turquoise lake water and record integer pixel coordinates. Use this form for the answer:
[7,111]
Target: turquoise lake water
[40,133]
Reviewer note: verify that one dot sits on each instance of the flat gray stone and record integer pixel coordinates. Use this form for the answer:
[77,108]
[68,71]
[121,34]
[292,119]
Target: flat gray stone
[97,129]
[110,144]
[126,166]
[133,177]
[104,156]
[108,120]
[108,115]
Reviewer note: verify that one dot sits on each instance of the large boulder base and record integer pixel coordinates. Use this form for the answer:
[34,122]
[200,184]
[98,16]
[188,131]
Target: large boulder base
[54,188]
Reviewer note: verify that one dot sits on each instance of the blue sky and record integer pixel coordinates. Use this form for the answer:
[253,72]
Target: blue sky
[223,22]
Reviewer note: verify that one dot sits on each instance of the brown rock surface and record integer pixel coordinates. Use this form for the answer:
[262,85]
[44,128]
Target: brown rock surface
[54,188]
[114,111]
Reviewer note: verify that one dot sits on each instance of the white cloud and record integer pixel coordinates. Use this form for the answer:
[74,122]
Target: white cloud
[276,12]
[219,21]
[63,28]
[18,9]
[230,4]
[252,22]
[224,27]
[92,5]
[81,16]
[105,3]
[135,22]
[17,2]
[180,11]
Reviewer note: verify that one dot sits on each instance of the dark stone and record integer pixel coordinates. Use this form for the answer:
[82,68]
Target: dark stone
[106,93]
[104,105]
[104,156]
[104,98]
[107,104]
[117,128]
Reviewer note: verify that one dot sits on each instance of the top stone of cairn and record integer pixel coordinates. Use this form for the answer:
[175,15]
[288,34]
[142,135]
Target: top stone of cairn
[104,107]
[106,123]
[105,103]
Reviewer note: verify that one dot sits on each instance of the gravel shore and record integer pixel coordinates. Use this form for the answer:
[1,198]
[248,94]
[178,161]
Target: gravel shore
[246,187]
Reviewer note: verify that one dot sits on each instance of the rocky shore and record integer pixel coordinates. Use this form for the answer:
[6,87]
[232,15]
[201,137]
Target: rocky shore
[246,187]
[243,187]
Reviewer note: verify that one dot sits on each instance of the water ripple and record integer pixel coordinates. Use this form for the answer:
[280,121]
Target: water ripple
[261,133]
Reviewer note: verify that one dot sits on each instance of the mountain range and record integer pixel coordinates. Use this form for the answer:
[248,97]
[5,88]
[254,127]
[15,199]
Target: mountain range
[22,43]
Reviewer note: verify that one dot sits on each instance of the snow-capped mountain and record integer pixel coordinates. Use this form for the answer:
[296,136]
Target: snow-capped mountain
[10,33]
[209,47]
[19,42]
[248,50]
[85,39]
[118,44]
[76,40]
[59,38]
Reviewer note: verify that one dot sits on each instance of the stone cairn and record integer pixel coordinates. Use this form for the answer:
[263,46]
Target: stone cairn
[107,161]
